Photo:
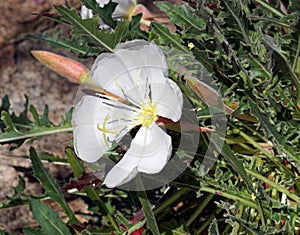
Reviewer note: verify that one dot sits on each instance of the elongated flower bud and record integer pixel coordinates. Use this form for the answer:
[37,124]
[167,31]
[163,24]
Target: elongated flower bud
[72,70]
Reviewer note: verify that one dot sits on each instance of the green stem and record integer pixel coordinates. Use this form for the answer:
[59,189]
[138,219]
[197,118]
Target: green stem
[248,202]
[274,185]
[171,199]
[37,134]
[297,55]
[203,204]
[270,8]
[208,221]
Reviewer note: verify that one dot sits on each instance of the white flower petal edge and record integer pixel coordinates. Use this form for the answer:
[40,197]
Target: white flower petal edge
[123,9]
[149,152]
[86,13]
[168,99]
[130,68]
[99,123]
[102,3]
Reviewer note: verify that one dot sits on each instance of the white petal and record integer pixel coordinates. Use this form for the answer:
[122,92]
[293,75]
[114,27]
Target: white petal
[102,2]
[168,98]
[147,54]
[149,152]
[153,146]
[123,8]
[124,171]
[86,13]
[129,71]
[90,113]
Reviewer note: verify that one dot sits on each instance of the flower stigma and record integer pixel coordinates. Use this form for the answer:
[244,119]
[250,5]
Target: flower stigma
[104,130]
[147,115]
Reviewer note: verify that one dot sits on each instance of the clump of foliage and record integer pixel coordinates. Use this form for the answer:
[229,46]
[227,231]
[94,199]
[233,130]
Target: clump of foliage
[251,48]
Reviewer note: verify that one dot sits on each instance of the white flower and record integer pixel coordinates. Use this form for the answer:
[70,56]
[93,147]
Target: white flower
[102,3]
[87,13]
[124,9]
[137,73]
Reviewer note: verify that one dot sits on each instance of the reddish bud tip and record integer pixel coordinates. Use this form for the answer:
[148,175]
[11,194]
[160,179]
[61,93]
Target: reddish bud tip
[72,70]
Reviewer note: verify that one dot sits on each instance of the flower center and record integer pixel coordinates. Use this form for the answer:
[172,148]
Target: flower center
[147,115]
[131,12]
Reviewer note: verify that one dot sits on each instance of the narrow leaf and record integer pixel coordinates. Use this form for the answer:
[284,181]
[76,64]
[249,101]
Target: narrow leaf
[48,182]
[281,65]
[148,212]
[181,15]
[89,28]
[74,44]
[167,38]
[48,218]
[237,165]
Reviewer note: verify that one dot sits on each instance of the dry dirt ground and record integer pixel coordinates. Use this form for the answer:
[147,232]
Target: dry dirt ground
[21,74]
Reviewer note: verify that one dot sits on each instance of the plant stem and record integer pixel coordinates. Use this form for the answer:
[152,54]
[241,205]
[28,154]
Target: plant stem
[208,221]
[37,134]
[171,199]
[270,8]
[203,204]
[297,55]
[247,202]
[274,185]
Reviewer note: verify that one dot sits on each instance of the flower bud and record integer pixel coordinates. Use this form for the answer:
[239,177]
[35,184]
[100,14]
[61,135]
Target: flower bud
[72,70]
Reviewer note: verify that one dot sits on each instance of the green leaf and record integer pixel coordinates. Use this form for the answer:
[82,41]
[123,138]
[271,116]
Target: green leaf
[282,66]
[33,231]
[297,67]
[148,212]
[167,38]
[237,165]
[236,19]
[77,167]
[2,232]
[213,228]
[16,129]
[91,192]
[173,227]
[48,182]
[48,218]
[89,28]
[281,134]
[76,45]
[18,198]
[104,12]
[181,15]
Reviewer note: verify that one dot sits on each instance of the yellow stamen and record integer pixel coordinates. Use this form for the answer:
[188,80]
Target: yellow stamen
[147,115]
[105,131]
[191,46]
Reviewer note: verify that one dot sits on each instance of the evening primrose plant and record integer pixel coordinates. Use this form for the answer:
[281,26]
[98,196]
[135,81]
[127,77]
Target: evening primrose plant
[188,124]
[138,75]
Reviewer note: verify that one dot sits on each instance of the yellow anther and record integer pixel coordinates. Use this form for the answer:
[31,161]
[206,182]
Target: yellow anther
[191,46]
[147,115]
[105,131]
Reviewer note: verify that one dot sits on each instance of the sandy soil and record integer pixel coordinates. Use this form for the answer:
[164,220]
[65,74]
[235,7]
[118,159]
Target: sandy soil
[21,74]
